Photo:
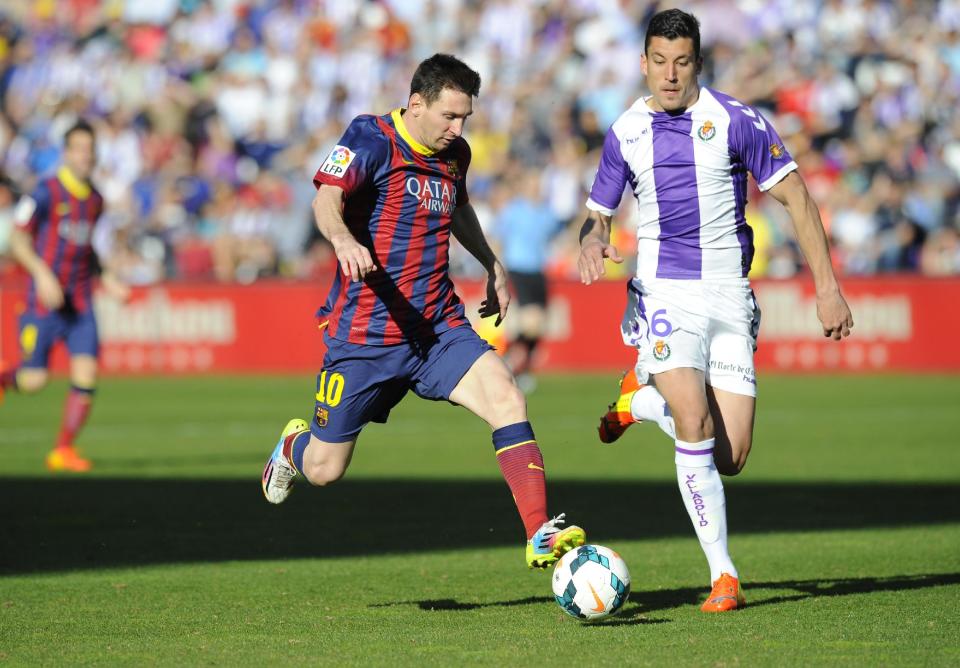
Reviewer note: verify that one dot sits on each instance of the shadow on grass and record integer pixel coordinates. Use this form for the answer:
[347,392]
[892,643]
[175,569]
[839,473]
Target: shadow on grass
[666,599]
[642,603]
[54,524]
[449,604]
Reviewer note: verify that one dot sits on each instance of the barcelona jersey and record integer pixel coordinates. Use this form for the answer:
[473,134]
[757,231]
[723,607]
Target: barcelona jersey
[61,226]
[400,198]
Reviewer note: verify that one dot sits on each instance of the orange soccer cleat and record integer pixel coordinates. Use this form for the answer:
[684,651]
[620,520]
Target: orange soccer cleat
[725,596]
[618,416]
[67,459]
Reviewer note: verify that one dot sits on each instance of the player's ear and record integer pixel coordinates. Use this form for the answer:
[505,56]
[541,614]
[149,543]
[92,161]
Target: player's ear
[643,63]
[699,65]
[416,104]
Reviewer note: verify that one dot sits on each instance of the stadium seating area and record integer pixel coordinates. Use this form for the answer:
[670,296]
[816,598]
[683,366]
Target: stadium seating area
[212,115]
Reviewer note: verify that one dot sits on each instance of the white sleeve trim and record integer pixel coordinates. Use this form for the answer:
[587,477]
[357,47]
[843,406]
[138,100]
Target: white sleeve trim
[24,210]
[777,176]
[595,206]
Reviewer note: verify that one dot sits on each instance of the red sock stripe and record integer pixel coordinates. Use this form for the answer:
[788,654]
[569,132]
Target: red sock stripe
[287,448]
[75,413]
[522,468]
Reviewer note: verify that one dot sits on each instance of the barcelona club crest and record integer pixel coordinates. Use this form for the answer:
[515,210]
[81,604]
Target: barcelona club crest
[453,168]
[776,150]
[661,350]
[706,132]
[323,415]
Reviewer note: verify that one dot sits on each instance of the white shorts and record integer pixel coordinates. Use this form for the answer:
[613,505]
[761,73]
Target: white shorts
[711,326]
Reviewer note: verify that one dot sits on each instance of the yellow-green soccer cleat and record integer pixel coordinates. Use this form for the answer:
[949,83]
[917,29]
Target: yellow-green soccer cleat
[551,542]
[279,472]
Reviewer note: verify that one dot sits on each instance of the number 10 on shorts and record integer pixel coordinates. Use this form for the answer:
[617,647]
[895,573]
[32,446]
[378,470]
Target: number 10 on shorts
[330,391]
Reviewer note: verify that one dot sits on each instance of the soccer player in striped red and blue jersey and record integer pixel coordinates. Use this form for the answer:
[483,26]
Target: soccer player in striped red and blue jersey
[685,151]
[389,196]
[53,242]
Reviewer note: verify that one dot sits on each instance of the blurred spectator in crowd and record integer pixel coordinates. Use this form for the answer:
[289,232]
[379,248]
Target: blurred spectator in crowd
[524,228]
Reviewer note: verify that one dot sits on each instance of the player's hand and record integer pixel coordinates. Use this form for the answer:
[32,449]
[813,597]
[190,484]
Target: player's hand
[355,259]
[115,287]
[498,295]
[48,289]
[834,315]
[592,254]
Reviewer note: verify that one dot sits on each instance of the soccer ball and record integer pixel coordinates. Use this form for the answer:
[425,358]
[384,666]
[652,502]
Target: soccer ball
[591,582]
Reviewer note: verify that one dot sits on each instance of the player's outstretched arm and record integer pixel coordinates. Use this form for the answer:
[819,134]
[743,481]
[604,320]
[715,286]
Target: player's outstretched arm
[354,258]
[466,228]
[832,308]
[48,287]
[595,247]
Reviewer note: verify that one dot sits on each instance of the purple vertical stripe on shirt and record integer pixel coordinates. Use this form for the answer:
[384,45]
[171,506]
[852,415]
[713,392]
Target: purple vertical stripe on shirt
[612,173]
[744,233]
[675,177]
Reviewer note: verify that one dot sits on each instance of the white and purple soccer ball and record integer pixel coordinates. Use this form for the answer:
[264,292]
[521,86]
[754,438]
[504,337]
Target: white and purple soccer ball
[591,582]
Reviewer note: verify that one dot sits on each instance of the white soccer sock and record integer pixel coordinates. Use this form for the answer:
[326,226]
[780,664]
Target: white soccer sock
[702,492]
[648,404]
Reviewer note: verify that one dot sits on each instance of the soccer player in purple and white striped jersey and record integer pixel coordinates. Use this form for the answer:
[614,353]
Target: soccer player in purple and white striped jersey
[53,242]
[685,152]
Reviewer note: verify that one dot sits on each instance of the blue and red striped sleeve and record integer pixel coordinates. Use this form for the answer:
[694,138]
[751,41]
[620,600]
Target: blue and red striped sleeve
[361,152]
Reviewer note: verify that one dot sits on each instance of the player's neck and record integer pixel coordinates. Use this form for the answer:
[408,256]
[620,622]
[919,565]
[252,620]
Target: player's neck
[655,106]
[411,130]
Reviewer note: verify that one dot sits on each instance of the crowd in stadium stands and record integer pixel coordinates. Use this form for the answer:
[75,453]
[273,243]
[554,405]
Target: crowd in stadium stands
[213,115]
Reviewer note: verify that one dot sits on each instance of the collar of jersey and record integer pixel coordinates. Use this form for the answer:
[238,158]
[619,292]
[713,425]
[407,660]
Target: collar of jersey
[74,186]
[653,112]
[407,137]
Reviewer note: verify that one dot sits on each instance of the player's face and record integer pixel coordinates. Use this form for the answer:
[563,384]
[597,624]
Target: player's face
[442,121]
[78,154]
[671,69]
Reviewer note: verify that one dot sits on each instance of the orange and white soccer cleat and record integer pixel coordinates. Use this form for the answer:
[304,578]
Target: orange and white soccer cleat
[725,596]
[67,459]
[618,417]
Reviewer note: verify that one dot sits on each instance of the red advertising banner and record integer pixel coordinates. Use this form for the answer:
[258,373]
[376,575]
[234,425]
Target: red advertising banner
[902,323]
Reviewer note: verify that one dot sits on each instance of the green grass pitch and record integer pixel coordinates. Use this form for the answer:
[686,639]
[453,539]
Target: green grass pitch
[845,526]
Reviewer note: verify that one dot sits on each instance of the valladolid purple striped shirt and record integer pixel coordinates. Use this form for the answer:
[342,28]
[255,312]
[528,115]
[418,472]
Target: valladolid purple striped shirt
[688,173]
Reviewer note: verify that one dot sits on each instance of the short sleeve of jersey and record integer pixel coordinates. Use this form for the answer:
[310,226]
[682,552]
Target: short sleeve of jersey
[611,178]
[30,210]
[361,152]
[754,140]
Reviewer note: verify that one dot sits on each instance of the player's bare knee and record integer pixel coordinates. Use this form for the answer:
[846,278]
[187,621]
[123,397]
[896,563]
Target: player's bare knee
[507,406]
[692,427]
[729,467]
[735,462]
[31,380]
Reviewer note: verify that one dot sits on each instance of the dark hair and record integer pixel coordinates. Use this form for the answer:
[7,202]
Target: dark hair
[441,71]
[672,24]
[80,126]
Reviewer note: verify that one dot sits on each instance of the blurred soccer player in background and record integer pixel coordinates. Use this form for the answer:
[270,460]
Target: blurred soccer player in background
[525,227]
[388,197]
[686,151]
[52,240]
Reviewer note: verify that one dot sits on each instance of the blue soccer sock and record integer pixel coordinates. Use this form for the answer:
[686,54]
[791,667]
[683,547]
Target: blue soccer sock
[297,448]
